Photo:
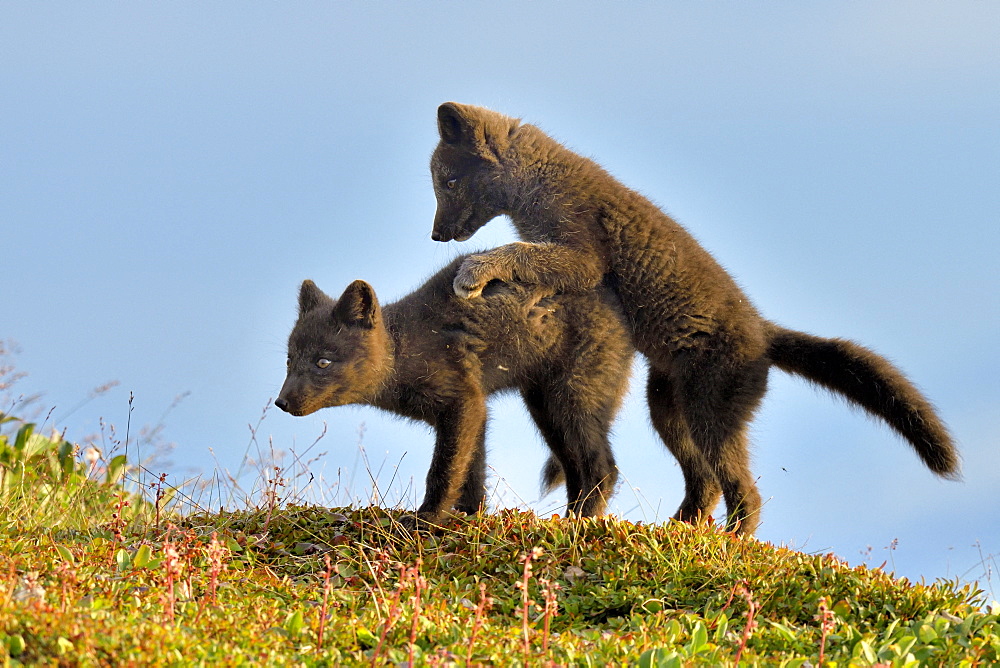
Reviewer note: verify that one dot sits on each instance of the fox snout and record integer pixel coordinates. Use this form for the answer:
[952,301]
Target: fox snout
[293,398]
[443,231]
[294,406]
[287,405]
[454,222]
[438,234]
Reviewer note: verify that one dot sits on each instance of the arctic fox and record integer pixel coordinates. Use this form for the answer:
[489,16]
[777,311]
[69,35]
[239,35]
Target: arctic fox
[709,350]
[435,357]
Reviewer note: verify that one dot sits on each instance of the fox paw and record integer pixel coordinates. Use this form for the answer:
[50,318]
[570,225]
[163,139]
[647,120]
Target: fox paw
[419,521]
[466,288]
[470,278]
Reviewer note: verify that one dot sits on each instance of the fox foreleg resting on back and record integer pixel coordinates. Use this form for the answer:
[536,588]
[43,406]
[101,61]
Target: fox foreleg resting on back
[548,264]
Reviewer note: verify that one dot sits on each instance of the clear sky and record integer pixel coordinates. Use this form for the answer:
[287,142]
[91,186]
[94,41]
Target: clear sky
[170,172]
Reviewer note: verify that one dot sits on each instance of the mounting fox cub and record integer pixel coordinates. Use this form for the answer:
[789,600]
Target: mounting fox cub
[709,350]
[435,357]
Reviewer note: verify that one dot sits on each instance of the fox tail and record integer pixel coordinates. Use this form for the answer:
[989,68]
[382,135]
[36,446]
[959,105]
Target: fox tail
[552,475]
[872,383]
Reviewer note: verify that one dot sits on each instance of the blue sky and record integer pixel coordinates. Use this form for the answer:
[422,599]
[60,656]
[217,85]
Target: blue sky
[170,172]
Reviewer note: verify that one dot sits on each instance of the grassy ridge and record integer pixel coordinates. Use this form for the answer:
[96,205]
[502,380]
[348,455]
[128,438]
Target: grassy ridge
[91,573]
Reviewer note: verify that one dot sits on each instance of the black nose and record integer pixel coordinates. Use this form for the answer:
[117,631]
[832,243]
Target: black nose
[281,403]
[435,236]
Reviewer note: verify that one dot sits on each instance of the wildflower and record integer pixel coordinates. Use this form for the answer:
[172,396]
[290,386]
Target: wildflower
[28,589]
[92,455]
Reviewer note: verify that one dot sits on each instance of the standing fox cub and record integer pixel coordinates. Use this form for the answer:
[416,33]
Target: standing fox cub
[709,350]
[435,357]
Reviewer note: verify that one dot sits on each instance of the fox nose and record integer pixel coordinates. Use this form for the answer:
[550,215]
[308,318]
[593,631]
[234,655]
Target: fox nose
[436,236]
[281,403]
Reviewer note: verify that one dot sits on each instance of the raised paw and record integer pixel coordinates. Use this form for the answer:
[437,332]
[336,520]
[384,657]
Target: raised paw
[471,278]
[465,286]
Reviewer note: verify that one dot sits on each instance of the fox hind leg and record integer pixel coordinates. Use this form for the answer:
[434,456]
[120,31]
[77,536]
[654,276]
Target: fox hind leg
[718,401]
[576,431]
[701,488]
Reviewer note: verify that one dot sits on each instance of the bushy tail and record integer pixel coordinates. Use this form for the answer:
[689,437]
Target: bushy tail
[872,383]
[552,475]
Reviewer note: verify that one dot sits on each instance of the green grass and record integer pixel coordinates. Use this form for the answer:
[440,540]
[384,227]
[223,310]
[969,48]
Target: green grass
[95,570]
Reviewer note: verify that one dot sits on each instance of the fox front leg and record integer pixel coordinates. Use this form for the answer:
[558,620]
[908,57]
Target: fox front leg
[460,445]
[559,266]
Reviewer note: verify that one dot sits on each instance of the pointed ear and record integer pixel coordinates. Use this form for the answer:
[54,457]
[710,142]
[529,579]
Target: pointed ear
[454,125]
[358,306]
[483,133]
[310,296]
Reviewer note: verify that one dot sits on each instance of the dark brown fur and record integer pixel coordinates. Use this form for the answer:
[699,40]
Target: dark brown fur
[708,348]
[435,357]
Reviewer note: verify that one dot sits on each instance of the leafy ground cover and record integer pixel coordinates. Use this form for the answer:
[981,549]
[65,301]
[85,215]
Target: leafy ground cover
[97,571]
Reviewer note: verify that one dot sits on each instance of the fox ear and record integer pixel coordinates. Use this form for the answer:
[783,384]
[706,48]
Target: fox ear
[483,133]
[454,125]
[310,296]
[358,306]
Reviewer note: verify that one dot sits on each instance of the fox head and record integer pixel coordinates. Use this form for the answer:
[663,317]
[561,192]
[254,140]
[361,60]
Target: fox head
[466,169]
[339,351]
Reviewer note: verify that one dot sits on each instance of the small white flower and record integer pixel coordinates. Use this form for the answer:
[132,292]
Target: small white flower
[92,455]
[29,590]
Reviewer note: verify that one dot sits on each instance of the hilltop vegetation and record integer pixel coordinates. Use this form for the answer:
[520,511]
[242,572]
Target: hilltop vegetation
[92,572]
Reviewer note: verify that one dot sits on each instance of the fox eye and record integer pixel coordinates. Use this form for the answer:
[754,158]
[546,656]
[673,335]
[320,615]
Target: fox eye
[451,183]
[322,362]
[288,361]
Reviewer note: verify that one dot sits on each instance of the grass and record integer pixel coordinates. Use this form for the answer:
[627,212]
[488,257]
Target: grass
[99,566]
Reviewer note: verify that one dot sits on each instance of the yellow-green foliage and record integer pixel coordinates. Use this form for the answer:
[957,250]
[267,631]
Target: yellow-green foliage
[320,586]
[252,588]
[43,481]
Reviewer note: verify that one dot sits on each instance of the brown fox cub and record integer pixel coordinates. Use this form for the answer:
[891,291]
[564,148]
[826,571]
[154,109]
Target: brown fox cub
[435,357]
[709,350]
